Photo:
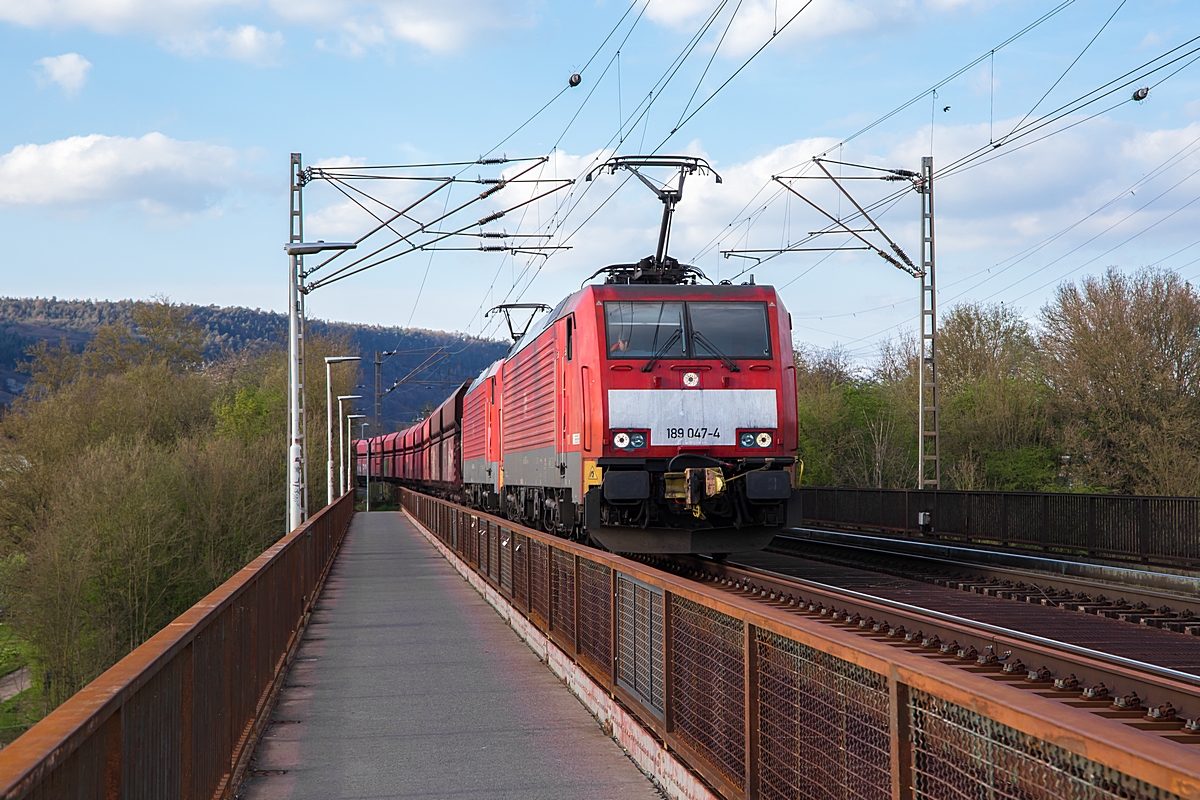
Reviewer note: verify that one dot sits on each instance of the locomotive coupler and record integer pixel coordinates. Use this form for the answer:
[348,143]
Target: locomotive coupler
[693,485]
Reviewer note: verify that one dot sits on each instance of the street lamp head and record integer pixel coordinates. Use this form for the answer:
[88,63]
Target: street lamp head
[349,397]
[340,359]
[355,416]
[319,246]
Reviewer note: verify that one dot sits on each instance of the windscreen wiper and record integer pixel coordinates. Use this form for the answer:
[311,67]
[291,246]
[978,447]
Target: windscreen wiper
[726,360]
[662,351]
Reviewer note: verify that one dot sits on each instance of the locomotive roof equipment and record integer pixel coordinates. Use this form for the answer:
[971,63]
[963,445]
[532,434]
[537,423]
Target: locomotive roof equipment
[659,268]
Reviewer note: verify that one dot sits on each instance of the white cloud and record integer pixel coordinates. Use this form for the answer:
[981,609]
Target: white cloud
[340,161]
[245,43]
[435,26]
[70,71]
[187,25]
[113,16]
[1156,38]
[157,174]
[757,19]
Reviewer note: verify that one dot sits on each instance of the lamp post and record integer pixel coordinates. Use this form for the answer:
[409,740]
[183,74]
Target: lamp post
[296,250]
[362,435]
[342,439]
[330,360]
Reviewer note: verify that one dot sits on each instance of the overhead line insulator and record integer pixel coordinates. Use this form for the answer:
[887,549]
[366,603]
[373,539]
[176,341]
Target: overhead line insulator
[493,190]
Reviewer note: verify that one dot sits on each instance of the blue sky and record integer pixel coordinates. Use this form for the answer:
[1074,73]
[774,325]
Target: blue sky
[144,148]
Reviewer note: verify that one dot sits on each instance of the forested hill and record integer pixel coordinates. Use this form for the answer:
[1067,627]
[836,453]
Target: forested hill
[26,321]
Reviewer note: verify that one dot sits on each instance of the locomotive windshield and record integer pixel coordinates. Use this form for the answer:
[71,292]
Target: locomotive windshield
[733,330]
[697,330]
[642,330]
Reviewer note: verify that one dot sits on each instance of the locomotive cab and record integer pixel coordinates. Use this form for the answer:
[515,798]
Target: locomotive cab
[699,422]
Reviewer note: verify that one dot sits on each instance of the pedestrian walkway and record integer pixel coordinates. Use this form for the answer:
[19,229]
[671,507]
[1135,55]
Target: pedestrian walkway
[408,685]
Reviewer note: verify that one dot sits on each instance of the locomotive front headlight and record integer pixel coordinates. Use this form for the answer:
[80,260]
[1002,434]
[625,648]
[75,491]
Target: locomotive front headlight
[763,439]
[746,439]
[637,440]
[621,440]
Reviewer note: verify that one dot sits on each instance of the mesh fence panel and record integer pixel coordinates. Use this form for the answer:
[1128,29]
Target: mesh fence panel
[471,542]
[562,603]
[539,580]
[595,615]
[506,560]
[823,725]
[520,548]
[961,755]
[485,547]
[640,641]
[708,699]
[494,551]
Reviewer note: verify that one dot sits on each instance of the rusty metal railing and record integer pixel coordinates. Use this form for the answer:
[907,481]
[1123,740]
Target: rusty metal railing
[178,717]
[763,703]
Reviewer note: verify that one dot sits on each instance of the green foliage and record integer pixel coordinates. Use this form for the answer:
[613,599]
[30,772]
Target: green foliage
[850,431]
[1122,354]
[1102,396]
[251,413]
[135,479]
[18,714]
[14,651]
[1028,468]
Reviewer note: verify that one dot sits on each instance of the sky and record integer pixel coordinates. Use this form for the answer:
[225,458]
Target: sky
[144,148]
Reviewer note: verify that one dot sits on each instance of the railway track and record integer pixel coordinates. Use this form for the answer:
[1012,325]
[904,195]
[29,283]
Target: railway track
[1169,601]
[1142,676]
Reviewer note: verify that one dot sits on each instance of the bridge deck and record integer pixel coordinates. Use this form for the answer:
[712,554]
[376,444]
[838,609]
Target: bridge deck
[409,685]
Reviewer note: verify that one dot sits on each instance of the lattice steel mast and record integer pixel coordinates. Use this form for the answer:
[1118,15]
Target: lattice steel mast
[929,470]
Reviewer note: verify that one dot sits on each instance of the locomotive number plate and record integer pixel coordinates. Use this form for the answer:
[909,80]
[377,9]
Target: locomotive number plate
[679,434]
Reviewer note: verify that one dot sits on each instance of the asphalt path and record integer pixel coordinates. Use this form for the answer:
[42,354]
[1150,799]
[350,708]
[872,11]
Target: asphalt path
[408,685]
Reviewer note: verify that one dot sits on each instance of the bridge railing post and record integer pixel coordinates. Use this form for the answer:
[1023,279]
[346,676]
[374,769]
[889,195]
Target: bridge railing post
[900,735]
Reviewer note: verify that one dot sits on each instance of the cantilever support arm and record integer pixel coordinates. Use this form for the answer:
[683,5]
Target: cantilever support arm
[912,268]
[870,245]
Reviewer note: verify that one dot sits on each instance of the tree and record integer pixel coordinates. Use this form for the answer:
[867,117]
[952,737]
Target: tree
[1122,353]
[994,404]
[162,333]
[852,428]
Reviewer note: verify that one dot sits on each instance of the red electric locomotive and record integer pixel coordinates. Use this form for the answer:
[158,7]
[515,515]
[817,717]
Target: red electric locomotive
[650,414]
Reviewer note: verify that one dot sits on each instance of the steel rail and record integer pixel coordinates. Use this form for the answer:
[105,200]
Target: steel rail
[1096,574]
[918,612]
[1135,585]
[763,701]
[1120,675]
